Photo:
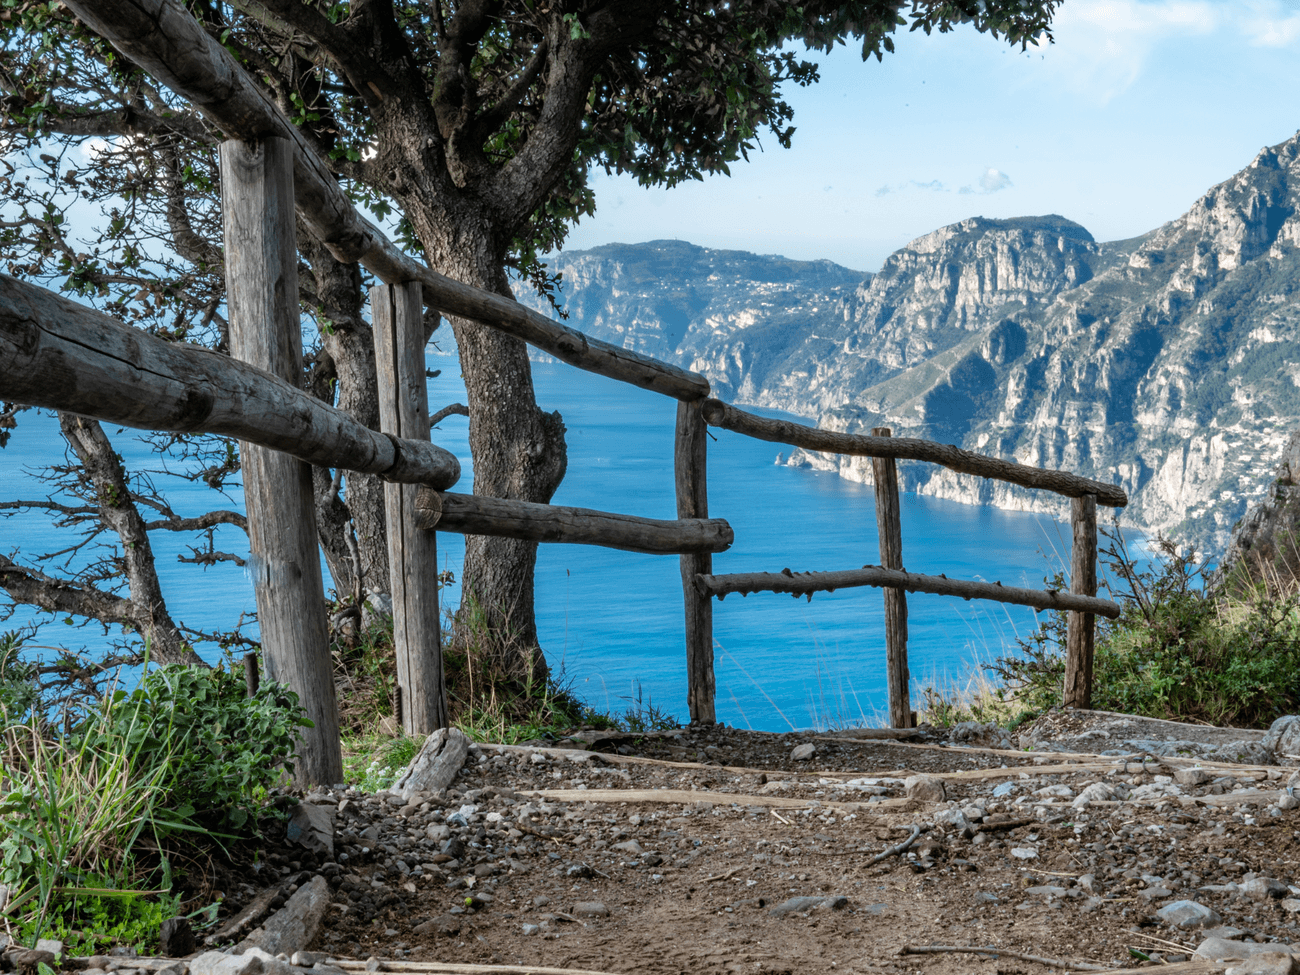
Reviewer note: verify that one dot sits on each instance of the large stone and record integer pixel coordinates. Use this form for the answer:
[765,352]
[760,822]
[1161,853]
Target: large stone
[220,963]
[1219,949]
[925,788]
[802,753]
[434,768]
[1192,776]
[1244,753]
[294,926]
[1266,963]
[311,826]
[176,937]
[1188,914]
[1263,889]
[1283,738]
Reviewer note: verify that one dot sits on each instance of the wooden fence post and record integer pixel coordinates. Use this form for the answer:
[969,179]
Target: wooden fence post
[1083,581]
[397,316]
[690,463]
[890,527]
[266,331]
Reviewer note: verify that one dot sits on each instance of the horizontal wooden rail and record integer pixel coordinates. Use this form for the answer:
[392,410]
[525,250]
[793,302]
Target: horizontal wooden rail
[163,38]
[806,583]
[64,356]
[470,514]
[720,414]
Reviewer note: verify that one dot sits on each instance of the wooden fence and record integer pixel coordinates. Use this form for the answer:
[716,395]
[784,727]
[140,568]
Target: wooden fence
[58,354]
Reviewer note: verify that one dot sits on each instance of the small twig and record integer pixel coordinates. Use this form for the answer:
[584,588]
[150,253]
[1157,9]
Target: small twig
[723,876]
[525,828]
[780,817]
[1000,953]
[896,850]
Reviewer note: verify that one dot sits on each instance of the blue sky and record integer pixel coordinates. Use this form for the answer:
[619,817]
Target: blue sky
[1137,109]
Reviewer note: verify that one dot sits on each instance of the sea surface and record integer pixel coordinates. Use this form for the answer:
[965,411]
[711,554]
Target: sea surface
[610,621]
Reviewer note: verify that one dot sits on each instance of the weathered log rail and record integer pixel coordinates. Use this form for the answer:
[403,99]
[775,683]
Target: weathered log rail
[727,417]
[57,354]
[64,356]
[163,38]
[472,514]
[807,583]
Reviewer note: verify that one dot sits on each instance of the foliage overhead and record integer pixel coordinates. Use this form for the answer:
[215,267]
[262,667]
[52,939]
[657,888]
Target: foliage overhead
[516,101]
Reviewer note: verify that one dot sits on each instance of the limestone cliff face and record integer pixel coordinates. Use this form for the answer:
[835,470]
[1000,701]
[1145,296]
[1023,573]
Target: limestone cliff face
[1168,363]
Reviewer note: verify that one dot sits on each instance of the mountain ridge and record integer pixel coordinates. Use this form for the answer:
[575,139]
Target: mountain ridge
[1165,363]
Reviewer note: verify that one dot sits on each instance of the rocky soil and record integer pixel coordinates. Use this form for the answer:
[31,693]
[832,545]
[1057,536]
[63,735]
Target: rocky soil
[723,850]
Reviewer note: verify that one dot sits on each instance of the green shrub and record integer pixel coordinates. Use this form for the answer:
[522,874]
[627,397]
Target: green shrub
[1180,650]
[221,749]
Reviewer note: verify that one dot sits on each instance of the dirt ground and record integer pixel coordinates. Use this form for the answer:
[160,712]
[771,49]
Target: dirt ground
[676,854]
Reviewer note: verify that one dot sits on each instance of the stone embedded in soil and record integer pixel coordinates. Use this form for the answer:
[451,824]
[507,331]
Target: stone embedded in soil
[1263,889]
[220,963]
[434,768]
[925,788]
[590,909]
[1188,914]
[804,752]
[295,926]
[1269,963]
[797,905]
[176,937]
[311,827]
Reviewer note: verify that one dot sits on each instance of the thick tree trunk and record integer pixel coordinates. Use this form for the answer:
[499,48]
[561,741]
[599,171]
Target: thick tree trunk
[118,512]
[519,453]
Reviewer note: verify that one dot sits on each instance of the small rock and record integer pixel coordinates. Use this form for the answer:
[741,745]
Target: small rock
[628,846]
[1192,776]
[1088,882]
[1291,905]
[52,945]
[1024,853]
[925,788]
[1188,914]
[802,753]
[1263,889]
[307,959]
[1155,893]
[220,963]
[27,959]
[798,905]
[590,909]
[531,928]
[176,938]
[444,924]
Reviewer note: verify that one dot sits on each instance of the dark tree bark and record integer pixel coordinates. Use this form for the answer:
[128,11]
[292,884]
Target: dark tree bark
[346,362]
[118,512]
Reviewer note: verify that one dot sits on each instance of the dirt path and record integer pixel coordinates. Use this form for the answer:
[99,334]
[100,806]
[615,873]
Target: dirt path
[681,857]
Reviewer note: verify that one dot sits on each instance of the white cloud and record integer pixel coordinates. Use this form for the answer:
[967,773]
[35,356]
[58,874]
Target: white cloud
[1102,46]
[994,180]
[1270,24]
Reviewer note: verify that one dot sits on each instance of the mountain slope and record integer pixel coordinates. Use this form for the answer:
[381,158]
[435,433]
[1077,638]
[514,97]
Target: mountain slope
[1167,363]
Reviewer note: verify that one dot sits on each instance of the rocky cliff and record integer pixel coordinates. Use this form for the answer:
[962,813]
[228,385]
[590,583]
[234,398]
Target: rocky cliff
[1167,363]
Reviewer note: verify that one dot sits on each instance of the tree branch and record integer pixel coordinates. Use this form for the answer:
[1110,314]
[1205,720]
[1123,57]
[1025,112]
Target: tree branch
[455,409]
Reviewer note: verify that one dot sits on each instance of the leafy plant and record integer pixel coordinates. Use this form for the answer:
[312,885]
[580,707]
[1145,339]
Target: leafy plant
[1180,649]
[220,750]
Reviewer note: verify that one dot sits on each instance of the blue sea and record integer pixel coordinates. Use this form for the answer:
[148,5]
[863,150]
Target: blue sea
[611,622]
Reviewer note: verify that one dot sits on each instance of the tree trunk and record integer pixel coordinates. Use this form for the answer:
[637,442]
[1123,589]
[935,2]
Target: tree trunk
[349,350]
[519,453]
[116,510]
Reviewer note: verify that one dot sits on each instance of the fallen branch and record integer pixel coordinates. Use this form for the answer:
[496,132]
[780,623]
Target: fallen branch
[894,851]
[457,968]
[1082,966]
